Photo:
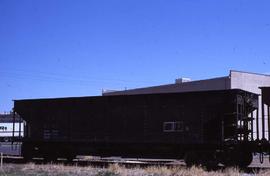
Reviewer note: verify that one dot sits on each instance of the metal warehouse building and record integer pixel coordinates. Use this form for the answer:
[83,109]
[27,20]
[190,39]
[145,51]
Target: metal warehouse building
[235,80]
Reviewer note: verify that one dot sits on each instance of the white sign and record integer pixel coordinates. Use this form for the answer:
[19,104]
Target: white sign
[6,129]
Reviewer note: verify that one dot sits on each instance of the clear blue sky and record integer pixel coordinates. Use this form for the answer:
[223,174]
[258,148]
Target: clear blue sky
[58,48]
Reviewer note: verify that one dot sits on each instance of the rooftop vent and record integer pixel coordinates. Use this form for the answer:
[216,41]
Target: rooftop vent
[182,80]
[104,91]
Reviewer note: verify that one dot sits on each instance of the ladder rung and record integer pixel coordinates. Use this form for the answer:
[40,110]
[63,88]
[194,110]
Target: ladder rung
[247,119]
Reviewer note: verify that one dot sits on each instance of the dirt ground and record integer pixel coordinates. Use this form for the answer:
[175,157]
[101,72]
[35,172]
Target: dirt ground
[116,170]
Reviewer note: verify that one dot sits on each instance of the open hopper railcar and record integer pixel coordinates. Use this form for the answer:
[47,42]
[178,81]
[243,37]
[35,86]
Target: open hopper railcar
[204,127]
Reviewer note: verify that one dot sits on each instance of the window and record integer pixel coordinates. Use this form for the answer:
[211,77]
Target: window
[173,126]
[168,126]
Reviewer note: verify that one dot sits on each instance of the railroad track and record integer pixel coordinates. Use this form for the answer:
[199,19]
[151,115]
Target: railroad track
[128,163]
[100,162]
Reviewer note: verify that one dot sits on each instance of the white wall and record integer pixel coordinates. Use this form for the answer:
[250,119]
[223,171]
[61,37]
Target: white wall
[249,81]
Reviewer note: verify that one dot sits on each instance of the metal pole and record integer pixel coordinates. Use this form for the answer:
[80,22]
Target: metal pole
[252,125]
[13,129]
[268,117]
[263,122]
[20,120]
[257,124]
[245,122]
[1,160]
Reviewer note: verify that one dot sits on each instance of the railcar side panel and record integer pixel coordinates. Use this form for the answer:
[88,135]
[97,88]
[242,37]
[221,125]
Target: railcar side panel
[157,125]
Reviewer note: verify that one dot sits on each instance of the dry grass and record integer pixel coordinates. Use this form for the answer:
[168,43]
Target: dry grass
[115,170]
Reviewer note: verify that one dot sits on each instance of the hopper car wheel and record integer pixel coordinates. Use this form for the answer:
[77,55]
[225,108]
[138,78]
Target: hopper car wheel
[70,158]
[27,157]
[207,159]
[244,159]
[191,159]
[50,158]
[237,158]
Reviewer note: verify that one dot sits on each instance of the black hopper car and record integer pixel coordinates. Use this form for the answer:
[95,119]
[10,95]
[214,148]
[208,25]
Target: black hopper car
[207,127]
